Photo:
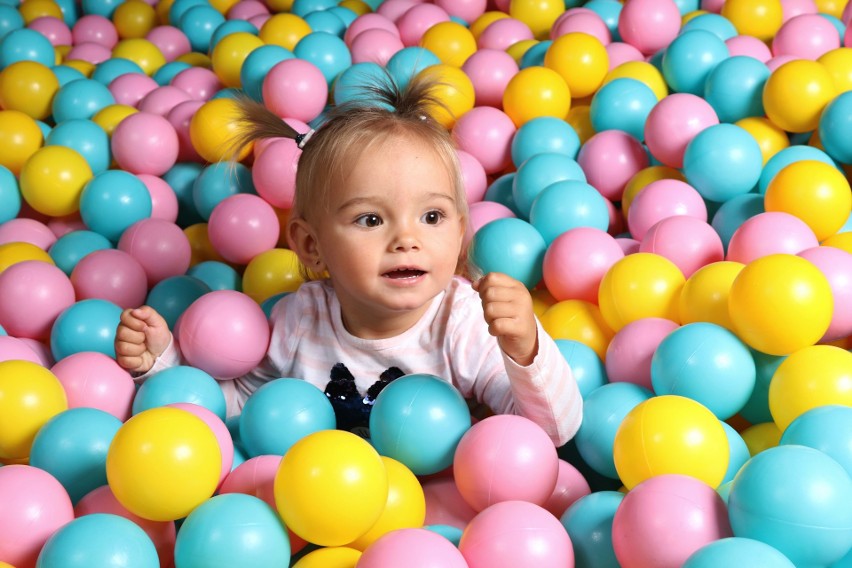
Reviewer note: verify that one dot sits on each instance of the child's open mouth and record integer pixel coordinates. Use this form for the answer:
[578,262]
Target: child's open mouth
[403,273]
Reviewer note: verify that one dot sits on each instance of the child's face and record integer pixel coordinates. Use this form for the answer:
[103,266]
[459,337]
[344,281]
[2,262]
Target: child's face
[392,236]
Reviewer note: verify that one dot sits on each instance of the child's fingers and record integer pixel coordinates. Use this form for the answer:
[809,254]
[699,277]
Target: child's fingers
[129,363]
[126,334]
[129,349]
[131,321]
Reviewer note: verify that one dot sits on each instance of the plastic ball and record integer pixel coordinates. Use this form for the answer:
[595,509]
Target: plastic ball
[486,133]
[32,295]
[737,551]
[257,64]
[217,182]
[824,428]
[68,249]
[538,172]
[758,19]
[570,487]
[722,161]
[97,539]
[780,303]
[15,252]
[255,476]
[581,59]
[536,92]
[24,44]
[28,87]
[578,320]
[628,356]
[806,36]
[173,295]
[198,24]
[113,201]
[329,557]
[610,159]
[453,92]
[87,325]
[787,156]
[159,246]
[12,348]
[94,380]
[112,275]
[544,135]
[23,138]
[217,275]
[181,384]
[27,230]
[212,127]
[704,297]
[641,71]
[577,260]
[53,179]
[589,524]
[771,232]
[516,533]
[87,138]
[219,429]
[836,265]
[673,123]
[649,25]
[661,199]
[688,242]
[82,98]
[229,54]
[489,70]
[10,195]
[511,246]
[796,94]
[622,104]
[734,88]
[145,143]
[416,546]
[247,217]
[666,519]
[566,205]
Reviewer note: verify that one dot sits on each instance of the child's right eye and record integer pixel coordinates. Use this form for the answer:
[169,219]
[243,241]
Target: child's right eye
[369,220]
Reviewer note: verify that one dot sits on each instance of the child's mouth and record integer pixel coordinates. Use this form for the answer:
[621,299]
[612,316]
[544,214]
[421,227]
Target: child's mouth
[403,273]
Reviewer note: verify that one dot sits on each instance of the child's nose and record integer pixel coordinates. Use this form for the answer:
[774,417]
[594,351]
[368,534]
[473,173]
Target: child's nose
[406,239]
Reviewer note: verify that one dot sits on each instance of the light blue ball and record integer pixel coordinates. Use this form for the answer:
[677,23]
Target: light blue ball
[217,182]
[269,303]
[326,21]
[181,178]
[99,540]
[172,296]
[231,27]
[72,447]
[567,205]
[707,363]
[181,7]
[354,83]
[10,195]
[787,156]
[10,20]
[544,134]
[538,172]
[165,74]
[68,249]
[847,226]
[756,408]
[24,44]
[795,499]
[534,56]
[199,23]
[716,24]
[65,74]
[227,93]
[609,11]
[511,246]
[180,384]
[834,124]
[70,11]
[738,452]
[258,64]
[112,201]
[217,275]
[282,412]
[722,161]
[104,8]
[419,420]
[733,212]
[603,411]
[824,428]
[302,8]
[586,366]
[107,71]
[735,88]
[3,332]
[45,128]
[82,98]
[622,104]
[408,62]
[87,325]
[346,15]
[87,138]
[500,191]
[689,59]
[327,51]
[737,551]
[451,533]
[233,529]
[589,524]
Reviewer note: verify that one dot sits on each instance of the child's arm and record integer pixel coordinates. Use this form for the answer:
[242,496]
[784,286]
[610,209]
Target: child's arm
[508,309]
[141,337]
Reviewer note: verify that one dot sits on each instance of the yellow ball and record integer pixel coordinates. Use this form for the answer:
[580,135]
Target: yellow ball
[134,19]
[163,463]
[768,136]
[670,434]
[53,179]
[331,487]
[641,71]
[32,9]
[405,507]
[222,6]
[581,59]
[580,321]
[451,42]
[30,395]
[110,116]
[640,285]
[519,48]
[212,129]
[843,241]
[831,7]
[333,557]
[20,138]
[839,64]
[796,93]
[360,8]
[642,178]
[199,242]
[538,15]
[280,5]
[535,92]
[230,53]
[579,117]
[542,301]
[272,272]
[28,87]
[142,52]
[811,377]
[761,437]
[15,252]
[479,24]
[780,303]
[705,294]
[285,30]
[758,18]
[453,90]
[84,67]
[196,59]
[162,9]
[813,191]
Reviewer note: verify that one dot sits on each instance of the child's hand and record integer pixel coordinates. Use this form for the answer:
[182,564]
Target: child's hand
[141,337]
[509,313]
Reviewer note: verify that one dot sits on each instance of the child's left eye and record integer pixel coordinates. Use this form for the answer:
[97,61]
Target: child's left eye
[432,217]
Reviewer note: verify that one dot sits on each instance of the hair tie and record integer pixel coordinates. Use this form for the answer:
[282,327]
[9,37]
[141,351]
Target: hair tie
[302,139]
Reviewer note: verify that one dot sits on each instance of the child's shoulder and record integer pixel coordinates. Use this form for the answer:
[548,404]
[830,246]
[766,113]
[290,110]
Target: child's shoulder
[310,296]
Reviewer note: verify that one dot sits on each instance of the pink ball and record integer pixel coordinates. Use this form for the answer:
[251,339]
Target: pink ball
[245,9]
[164,203]
[243,226]
[22,230]
[42,351]
[295,88]
[368,21]
[628,245]
[846,16]
[576,262]
[768,233]
[224,333]
[95,29]
[847,37]
[223,436]
[620,52]
[163,99]
[503,458]
[570,486]
[666,518]
[161,533]
[54,29]
[516,533]
[749,46]
[413,548]
[171,42]
[688,242]
[257,21]
[466,10]
[110,274]
[160,246]
[200,83]
[674,122]
[416,20]
[581,20]
[793,8]
[274,172]
[255,476]
[490,70]
[609,159]
[486,133]
[501,34]
[660,199]
[180,116]
[375,45]
[91,52]
[649,25]
[482,212]
[779,60]
[807,36]
[12,349]
[394,9]
[35,505]
[145,143]
[32,295]
[61,226]
[473,176]
[130,88]
[628,356]
[444,503]
[836,265]
[95,380]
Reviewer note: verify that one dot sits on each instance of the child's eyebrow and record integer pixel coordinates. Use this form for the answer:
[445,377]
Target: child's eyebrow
[374,200]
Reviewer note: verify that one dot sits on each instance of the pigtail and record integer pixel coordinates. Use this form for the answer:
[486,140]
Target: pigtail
[256,122]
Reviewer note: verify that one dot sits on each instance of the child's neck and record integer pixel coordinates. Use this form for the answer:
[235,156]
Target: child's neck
[380,326]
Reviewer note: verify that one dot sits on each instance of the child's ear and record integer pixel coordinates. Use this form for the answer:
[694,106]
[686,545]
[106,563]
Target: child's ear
[302,240]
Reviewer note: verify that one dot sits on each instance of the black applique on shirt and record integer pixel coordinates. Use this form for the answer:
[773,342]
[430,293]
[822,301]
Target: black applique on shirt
[350,408]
